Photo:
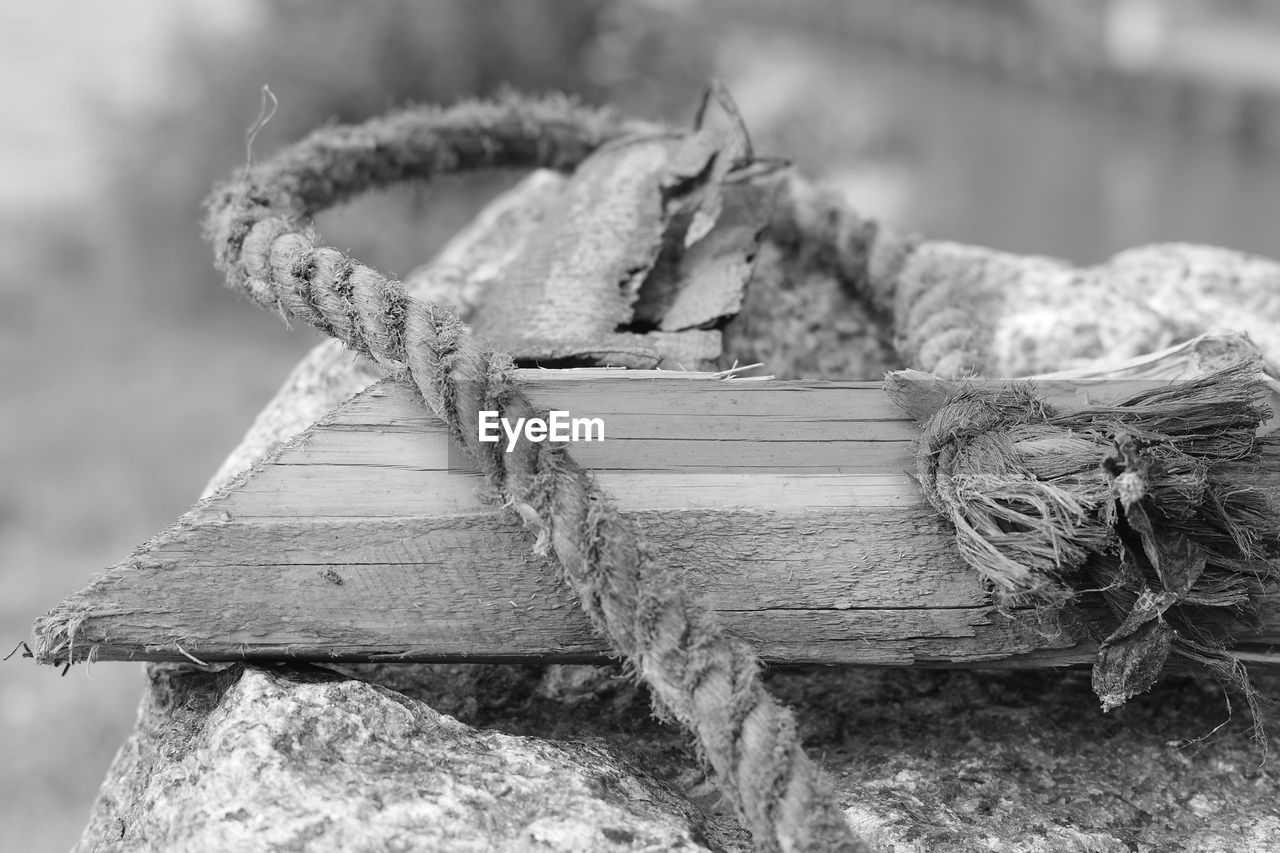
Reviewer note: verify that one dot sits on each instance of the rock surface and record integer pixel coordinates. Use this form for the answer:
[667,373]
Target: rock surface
[1030,315]
[250,759]
[949,761]
[945,761]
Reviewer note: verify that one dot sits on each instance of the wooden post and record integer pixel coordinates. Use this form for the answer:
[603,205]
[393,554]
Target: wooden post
[789,505]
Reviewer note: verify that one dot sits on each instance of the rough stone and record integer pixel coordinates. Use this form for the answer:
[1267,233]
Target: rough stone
[1030,315]
[802,322]
[1024,762]
[942,760]
[252,759]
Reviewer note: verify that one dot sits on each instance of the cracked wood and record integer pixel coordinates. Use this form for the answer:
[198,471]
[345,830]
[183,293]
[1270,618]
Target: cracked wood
[787,505]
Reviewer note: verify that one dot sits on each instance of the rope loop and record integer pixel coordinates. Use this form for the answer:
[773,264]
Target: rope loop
[263,244]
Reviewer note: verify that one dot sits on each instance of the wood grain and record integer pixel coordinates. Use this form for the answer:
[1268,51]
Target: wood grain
[788,505]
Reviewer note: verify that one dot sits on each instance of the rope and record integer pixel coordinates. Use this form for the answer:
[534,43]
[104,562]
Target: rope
[1153,503]
[936,295]
[699,675]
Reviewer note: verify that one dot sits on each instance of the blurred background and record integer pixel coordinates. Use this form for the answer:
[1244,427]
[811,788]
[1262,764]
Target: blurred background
[1072,129]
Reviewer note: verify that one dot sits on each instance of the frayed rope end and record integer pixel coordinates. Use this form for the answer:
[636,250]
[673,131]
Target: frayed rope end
[1143,516]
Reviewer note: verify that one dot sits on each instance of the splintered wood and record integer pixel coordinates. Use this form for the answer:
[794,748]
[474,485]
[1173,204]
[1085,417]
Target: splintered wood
[787,505]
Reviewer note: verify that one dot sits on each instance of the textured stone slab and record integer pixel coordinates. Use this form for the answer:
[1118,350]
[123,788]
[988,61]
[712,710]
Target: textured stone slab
[250,759]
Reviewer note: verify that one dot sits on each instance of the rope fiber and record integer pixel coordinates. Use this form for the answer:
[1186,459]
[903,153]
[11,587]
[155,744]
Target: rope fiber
[704,678]
[1155,503]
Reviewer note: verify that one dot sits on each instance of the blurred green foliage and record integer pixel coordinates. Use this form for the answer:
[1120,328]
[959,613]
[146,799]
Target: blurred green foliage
[343,61]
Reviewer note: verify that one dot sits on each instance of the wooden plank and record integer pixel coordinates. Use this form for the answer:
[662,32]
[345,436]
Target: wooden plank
[788,505]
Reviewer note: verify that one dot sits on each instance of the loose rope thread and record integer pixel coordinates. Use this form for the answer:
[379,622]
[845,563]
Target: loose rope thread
[704,678]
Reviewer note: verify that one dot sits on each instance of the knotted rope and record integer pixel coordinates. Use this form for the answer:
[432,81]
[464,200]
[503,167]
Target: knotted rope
[698,674]
[1151,505]
[1153,502]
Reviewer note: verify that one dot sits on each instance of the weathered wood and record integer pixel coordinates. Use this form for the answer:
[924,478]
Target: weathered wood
[788,505]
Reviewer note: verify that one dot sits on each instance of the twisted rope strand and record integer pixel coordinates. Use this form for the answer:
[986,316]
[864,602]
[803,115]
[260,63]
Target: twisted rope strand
[704,678]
